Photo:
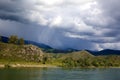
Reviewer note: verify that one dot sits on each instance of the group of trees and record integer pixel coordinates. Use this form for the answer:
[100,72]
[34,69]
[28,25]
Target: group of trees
[101,61]
[69,61]
[13,39]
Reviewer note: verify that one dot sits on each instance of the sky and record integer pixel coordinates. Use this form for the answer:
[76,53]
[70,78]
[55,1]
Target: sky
[63,24]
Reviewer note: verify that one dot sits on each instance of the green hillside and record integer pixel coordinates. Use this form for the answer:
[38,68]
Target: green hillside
[81,59]
[10,53]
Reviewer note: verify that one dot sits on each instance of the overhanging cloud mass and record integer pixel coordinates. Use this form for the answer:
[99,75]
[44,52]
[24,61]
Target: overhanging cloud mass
[78,24]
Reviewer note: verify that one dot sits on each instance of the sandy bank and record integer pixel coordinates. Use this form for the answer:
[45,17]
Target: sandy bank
[26,65]
[1,65]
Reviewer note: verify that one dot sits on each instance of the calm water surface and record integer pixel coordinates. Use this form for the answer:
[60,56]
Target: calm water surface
[59,74]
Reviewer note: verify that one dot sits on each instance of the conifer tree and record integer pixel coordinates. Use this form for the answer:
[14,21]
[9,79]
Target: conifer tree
[21,41]
[13,39]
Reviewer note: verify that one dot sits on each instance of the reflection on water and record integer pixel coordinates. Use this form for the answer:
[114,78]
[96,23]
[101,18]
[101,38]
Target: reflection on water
[59,74]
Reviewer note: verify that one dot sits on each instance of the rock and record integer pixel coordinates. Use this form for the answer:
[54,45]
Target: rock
[18,52]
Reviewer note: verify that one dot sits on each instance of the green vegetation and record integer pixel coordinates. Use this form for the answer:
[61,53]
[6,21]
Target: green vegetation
[15,52]
[0,39]
[21,41]
[13,39]
[12,52]
[82,59]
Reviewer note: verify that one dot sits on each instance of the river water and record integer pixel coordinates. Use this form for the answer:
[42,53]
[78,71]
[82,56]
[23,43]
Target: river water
[59,74]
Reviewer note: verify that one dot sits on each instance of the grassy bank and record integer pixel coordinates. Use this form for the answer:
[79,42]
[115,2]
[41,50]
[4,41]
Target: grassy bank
[8,64]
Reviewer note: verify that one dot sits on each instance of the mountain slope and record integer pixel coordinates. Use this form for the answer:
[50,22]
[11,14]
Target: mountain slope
[78,55]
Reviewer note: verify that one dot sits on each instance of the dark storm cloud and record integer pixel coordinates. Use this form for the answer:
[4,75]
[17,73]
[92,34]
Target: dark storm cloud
[6,7]
[12,17]
[15,10]
[78,24]
[111,8]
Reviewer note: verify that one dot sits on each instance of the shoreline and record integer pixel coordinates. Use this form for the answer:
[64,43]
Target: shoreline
[26,65]
[41,66]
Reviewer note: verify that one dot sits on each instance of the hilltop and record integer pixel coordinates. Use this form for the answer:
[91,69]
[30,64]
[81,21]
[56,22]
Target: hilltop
[12,52]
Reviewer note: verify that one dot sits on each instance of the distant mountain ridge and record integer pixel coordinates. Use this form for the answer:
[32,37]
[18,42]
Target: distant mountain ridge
[49,49]
[44,47]
[105,52]
[41,45]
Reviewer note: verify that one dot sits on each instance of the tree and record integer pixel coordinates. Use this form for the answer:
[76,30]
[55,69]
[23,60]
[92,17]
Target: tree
[13,39]
[21,41]
[0,39]
[44,60]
